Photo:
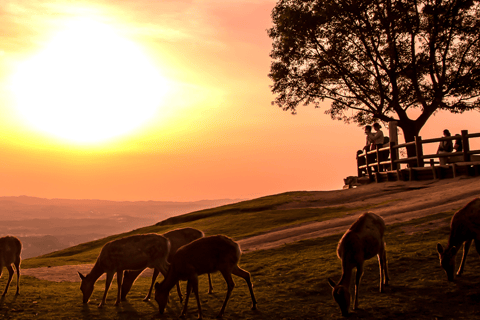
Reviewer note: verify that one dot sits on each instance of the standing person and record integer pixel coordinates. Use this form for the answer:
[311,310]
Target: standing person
[378,140]
[458,147]
[445,146]
[368,138]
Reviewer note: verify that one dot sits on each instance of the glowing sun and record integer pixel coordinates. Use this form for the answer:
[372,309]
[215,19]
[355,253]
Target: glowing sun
[88,85]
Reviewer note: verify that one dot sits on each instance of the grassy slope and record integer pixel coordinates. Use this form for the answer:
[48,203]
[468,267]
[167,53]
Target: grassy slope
[289,282]
[238,221]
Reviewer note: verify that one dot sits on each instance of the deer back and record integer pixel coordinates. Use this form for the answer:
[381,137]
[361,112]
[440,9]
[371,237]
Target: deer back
[206,255]
[465,224]
[363,240]
[10,249]
[134,252]
[180,237]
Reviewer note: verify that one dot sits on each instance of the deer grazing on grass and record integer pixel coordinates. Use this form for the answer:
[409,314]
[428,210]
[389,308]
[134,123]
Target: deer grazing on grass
[177,238]
[361,242]
[205,255]
[10,249]
[135,252]
[464,227]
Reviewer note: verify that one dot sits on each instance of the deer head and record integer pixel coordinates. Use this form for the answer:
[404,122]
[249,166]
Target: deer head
[86,287]
[447,260]
[341,295]
[161,296]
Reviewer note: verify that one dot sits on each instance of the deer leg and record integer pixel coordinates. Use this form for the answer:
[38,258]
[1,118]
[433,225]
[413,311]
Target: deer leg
[385,267]
[195,291]
[108,281]
[230,285]
[187,296]
[17,267]
[466,247]
[246,275]
[129,278]
[477,246]
[119,285]
[154,277]
[380,267]
[210,287]
[10,276]
[179,291]
[358,277]
[382,264]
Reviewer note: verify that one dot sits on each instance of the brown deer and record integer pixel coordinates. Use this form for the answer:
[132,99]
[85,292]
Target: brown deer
[464,227]
[135,252]
[205,255]
[361,242]
[10,249]
[177,238]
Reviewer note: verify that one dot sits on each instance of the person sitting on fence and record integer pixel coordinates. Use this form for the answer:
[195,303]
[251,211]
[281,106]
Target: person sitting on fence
[458,147]
[377,138]
[368,138]
[445,146]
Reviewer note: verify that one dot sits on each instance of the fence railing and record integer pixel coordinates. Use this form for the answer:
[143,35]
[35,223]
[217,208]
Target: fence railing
[387,158]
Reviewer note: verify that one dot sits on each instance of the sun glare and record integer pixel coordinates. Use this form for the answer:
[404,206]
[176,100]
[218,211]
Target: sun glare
[88,85]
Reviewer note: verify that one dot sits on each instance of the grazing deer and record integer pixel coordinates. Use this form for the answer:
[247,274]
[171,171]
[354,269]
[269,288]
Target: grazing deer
[205,255]
[361,242]
[10,249]
[135,252]
[177,238]
[464,227]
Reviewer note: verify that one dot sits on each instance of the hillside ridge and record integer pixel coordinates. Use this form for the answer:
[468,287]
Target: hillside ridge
[411,200]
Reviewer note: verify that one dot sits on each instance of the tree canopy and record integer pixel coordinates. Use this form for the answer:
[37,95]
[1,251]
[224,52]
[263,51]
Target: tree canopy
[377,59]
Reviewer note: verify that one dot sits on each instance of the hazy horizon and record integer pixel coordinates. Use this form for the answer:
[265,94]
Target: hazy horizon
[46,225]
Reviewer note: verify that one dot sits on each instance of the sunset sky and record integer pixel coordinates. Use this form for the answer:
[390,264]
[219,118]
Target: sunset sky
[159,100]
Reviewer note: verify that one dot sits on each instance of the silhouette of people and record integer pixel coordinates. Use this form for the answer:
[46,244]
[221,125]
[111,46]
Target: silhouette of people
[368,138]
[458,146]
[445,146]
[377,138]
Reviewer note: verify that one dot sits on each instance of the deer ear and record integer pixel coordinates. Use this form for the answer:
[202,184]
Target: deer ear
[439,248]
[81,275]
[331,283]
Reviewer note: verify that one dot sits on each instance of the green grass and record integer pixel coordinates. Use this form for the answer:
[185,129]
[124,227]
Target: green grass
[290,282]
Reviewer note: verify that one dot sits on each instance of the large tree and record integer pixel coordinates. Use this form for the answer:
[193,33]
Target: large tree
[377,59]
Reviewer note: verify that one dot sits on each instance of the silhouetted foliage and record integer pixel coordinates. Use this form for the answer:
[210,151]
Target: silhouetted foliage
[377,60]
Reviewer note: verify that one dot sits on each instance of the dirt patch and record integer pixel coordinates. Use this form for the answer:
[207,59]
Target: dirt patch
[427,226]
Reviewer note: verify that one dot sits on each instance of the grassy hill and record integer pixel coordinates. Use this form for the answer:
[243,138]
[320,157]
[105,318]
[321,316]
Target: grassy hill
[290,282]
[239,220]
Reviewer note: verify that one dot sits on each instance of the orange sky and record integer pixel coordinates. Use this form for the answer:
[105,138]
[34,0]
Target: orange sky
[214,133]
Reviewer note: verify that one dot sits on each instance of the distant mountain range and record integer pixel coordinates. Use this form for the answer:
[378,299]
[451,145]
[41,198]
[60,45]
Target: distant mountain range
[46,225]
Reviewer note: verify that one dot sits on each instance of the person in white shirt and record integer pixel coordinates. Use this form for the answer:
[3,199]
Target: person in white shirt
[377,138]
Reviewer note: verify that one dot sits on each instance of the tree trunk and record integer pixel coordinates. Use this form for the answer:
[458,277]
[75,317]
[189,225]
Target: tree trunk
[410,131]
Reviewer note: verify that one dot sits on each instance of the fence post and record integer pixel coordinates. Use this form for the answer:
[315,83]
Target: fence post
[393,156]
[393,134]
[466,146]
[378,157]
[360,163]
[419,151]
[367,164]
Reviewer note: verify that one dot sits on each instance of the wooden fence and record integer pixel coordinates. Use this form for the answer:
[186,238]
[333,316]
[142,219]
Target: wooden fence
[383,164]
